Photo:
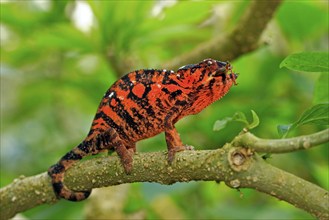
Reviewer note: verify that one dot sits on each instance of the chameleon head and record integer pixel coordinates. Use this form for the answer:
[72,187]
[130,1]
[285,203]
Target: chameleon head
[210,80]
[209,72]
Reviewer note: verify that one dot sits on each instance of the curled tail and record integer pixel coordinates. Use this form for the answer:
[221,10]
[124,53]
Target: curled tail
[57,171]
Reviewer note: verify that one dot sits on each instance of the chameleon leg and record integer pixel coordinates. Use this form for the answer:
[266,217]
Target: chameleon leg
[126,155]
[110,139]
[174,143]
[132,148]
[124,150]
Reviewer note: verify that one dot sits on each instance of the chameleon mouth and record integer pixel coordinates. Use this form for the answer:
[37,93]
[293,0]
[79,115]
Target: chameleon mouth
[228,68]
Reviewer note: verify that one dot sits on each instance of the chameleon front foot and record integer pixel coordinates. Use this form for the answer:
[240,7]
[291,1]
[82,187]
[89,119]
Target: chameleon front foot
[127,160]
[173,151]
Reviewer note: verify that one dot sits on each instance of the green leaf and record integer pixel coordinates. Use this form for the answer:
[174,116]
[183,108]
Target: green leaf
[220,124]
[321,90]
[238,117]
[255,120]
[307,61]
[318,114]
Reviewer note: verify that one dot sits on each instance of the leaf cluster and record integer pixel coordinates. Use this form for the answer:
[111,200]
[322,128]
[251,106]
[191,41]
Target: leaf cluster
[310,62]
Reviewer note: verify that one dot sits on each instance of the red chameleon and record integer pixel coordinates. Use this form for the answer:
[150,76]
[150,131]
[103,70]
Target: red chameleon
[140,105]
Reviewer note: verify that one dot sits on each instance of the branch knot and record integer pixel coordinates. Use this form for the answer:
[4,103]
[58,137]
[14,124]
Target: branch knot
[239,158]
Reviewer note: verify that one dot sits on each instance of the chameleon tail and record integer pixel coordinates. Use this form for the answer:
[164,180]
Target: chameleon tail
[57,171]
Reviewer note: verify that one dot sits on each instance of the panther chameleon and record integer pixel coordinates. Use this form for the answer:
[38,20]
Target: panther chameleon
[140,105]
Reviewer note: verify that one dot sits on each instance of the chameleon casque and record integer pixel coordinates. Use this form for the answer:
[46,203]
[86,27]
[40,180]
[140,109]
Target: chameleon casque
[140,105]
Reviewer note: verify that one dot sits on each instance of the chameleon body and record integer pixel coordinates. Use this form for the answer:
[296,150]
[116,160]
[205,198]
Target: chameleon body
[140,105]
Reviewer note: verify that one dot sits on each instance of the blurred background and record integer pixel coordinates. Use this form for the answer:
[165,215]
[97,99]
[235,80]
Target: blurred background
[59,57]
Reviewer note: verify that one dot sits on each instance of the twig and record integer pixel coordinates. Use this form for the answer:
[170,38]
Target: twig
[281,145]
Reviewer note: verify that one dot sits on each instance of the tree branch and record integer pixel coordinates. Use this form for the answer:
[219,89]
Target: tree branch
[242,39]
[281,145]
[285,186]
[238,167]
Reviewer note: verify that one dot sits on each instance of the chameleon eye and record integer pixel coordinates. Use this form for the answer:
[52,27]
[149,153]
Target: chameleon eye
[221,64]
[222,70]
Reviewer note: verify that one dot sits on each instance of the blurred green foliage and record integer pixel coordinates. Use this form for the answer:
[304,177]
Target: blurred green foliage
[54,73]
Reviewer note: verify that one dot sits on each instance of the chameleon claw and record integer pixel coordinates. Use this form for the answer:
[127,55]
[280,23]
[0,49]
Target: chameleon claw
[128,167]
[189,147]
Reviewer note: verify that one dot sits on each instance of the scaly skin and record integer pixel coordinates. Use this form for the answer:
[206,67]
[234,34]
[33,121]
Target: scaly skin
[140,105]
